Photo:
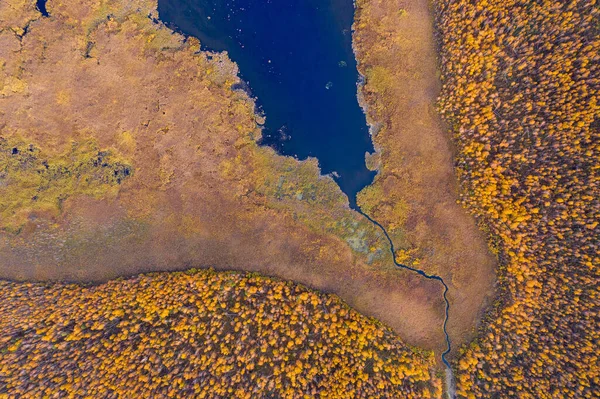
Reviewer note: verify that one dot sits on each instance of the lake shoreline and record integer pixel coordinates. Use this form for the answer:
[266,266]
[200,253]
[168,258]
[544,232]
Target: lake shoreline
[416,189]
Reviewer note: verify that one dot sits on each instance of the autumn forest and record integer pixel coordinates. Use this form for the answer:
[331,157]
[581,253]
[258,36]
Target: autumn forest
[151,247]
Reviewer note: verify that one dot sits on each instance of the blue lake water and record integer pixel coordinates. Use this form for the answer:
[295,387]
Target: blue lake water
[296,57]
[41,6]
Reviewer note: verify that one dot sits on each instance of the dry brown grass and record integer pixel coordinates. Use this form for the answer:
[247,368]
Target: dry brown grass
[415,192]
[202,192]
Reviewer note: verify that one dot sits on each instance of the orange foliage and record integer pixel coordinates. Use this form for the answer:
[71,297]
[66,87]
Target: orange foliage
[199,334]
[521,81]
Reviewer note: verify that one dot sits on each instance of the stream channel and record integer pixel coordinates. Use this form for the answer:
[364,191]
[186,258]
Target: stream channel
[297,61]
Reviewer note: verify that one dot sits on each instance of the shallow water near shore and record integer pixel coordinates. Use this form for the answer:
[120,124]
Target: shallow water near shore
[296,57]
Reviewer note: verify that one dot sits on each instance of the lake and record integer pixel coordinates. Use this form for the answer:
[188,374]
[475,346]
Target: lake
[296,58]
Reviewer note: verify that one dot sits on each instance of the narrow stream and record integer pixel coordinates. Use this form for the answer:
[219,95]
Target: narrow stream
[449,375]
[296,57]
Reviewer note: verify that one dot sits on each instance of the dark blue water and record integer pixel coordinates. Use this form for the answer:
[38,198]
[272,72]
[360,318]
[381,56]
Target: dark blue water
[41,6]
[296,56]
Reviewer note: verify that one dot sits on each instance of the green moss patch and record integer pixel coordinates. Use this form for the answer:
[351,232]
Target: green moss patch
[33,181]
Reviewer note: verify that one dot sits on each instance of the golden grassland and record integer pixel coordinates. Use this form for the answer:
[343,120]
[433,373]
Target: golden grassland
[415,192]
[105,77]
[199,334]
[521,81]
[520,93]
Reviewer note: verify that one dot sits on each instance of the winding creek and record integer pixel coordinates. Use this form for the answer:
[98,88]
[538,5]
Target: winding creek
[449,374]
[296,58]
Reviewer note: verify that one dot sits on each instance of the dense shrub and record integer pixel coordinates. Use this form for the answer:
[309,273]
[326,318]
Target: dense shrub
[521,81]
[199,334]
